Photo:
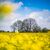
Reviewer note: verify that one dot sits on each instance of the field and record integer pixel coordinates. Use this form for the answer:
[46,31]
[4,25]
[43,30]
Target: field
[24,41]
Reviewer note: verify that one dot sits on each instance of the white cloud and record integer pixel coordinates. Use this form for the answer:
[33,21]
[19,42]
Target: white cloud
[10,18]
[15,7]
[41,17]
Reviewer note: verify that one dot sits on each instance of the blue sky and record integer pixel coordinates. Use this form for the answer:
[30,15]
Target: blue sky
[22,9]
[35,4]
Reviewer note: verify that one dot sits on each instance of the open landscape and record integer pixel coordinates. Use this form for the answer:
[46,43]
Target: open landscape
[24,24]
[24,41]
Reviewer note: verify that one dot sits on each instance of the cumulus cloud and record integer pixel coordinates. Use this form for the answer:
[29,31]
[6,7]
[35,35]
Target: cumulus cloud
[11,18]
[42,18]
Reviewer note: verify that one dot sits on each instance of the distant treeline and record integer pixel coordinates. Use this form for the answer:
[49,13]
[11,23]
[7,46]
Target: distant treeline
[27,25]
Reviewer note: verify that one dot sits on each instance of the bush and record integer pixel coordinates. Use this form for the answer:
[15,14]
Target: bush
[44,30]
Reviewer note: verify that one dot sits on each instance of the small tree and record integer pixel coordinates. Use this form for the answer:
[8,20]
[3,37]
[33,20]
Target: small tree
[13,28]
[44,30]
[17,26]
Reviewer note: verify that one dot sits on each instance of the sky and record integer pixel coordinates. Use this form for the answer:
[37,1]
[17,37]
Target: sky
[22,9]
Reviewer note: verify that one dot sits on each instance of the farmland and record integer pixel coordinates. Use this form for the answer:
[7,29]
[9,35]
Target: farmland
[24,41]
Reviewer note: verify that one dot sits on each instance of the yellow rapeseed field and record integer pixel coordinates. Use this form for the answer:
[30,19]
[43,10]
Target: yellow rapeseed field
[24,41]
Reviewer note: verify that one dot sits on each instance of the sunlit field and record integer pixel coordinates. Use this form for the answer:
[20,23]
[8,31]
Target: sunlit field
[24,41]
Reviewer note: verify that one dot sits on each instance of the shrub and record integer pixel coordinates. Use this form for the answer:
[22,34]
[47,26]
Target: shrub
[44,30]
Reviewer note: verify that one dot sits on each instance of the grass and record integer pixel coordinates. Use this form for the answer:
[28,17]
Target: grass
[24,41]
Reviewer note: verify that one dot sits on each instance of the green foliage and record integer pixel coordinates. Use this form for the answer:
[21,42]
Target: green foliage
[44,30]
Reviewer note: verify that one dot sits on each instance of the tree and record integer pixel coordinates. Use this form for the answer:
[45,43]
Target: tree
[44,30]
[28,24]
[36,29]
[17,25]
[13,27]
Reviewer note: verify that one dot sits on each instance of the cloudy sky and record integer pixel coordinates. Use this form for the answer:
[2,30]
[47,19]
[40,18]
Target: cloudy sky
[22,9]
